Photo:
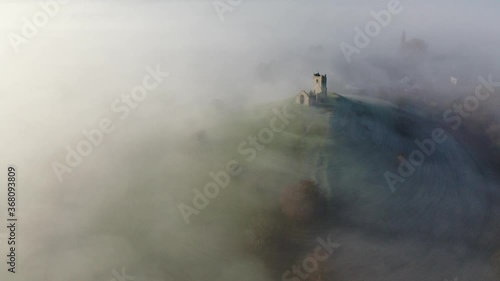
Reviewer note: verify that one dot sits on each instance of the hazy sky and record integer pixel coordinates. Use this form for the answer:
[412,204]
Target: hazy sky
[64,79]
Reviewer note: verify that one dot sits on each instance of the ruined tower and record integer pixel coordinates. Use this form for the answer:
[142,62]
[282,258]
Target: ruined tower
[319,85]
[316,95]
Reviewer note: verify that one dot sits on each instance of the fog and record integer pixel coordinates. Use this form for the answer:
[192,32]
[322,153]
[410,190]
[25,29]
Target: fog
[119,207]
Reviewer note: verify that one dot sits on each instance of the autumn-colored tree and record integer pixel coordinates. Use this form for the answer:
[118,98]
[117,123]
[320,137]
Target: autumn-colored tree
[303,202]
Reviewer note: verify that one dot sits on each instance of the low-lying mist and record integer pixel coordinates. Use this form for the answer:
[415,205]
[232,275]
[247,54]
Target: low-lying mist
[119,208]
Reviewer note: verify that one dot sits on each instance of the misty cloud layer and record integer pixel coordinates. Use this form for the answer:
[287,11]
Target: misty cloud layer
[119,208]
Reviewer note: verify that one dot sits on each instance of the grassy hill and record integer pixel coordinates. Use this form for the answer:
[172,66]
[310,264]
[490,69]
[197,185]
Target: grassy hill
[344,146]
